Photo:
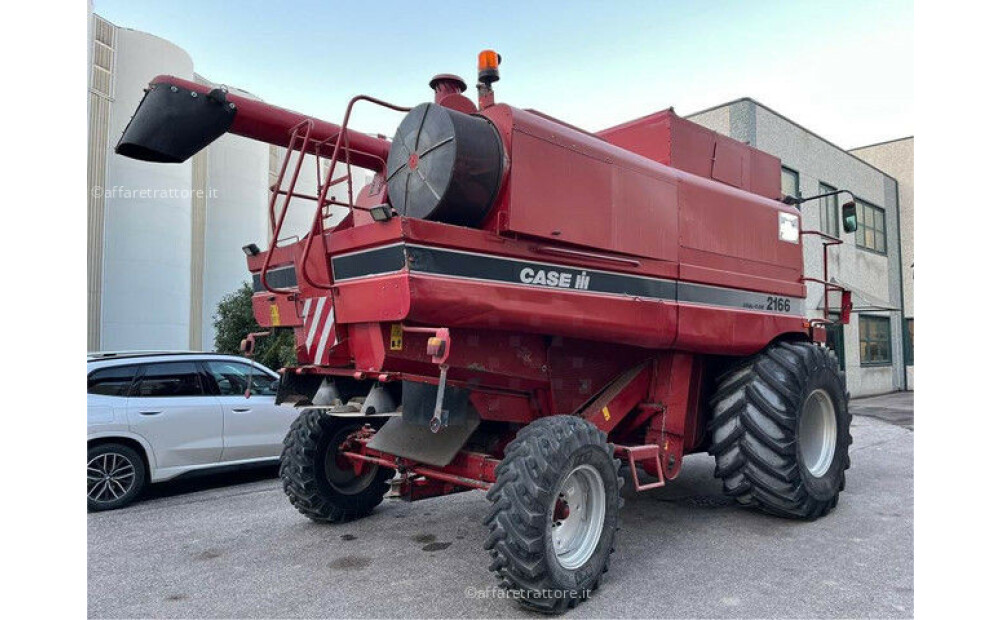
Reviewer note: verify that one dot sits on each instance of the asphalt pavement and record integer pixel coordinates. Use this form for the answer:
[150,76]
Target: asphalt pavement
[895,408]
[201,549]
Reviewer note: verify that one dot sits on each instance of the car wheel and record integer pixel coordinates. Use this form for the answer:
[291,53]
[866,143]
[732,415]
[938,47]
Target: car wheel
[116,476]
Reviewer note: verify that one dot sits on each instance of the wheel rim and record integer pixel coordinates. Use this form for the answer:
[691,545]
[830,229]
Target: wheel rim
[578,516]
[818,433]
[110,476]
[340,471]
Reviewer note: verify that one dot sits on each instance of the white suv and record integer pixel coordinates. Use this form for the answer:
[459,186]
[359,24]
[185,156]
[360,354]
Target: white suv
[154,416]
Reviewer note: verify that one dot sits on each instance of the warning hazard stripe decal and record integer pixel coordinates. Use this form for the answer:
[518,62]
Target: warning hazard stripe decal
[319,323]
[536,274]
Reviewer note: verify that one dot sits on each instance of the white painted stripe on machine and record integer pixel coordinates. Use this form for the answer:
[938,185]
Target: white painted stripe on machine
[328,325]
[316,319]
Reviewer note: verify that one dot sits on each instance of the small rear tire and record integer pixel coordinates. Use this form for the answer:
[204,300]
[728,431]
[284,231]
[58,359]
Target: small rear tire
[555,513]
[781,429]
[116,476]
[320,482]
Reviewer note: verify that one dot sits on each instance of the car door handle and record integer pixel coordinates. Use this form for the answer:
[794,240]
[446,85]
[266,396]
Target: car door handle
[149,412]
[241,409]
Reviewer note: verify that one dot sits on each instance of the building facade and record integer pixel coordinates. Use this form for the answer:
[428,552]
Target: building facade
[896,158]
[867,262]
[164,240]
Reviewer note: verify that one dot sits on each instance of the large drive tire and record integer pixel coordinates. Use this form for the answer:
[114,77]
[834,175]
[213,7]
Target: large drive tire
[321,485]
[116,476]
[780,430]
[555,513]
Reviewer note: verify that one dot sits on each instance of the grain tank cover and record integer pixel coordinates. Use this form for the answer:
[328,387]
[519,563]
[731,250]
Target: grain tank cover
[445,166]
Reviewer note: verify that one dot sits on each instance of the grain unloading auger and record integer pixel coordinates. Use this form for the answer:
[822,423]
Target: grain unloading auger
[516,305]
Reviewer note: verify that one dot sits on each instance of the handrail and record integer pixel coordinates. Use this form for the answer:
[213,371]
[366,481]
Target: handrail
[827,241]
[277,225]
[317,223]
[832,240]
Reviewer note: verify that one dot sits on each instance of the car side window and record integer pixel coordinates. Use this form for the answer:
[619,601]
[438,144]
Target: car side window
[231,377]
[170,379]
[111,381]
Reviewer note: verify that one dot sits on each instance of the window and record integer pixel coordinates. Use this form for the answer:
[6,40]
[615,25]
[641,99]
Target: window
[829,212]
[874,340]
[871,227]
[908,343]
[113,381]
[173,379]
[231,377]
[790,182]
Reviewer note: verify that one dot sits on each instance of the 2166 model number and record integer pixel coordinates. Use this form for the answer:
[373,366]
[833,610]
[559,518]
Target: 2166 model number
[779,304]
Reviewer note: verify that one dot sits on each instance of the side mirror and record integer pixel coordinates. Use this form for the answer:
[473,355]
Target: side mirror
[850,211]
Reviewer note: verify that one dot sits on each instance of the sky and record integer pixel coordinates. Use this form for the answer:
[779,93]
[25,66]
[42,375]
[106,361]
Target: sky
[841,69]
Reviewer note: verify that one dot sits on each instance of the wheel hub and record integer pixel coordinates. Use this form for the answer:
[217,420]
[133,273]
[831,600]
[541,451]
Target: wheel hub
[578,516]
[341,472]
[109,477]
[818,432]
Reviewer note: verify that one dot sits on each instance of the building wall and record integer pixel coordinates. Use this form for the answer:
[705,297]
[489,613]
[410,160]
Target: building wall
[147,238]
[896,158]
[875,275]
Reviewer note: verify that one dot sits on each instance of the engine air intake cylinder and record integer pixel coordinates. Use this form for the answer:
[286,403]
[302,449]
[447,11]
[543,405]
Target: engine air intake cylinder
[445,166]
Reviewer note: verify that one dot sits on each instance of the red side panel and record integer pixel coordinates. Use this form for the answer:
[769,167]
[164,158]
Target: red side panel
[729,238]
[569,187]
[669,139]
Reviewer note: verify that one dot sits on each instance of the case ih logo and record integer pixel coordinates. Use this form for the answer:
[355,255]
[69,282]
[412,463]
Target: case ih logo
[551,277]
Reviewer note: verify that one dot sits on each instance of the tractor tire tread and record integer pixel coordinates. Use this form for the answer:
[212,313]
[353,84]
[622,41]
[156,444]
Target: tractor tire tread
[753,428]
[301,474]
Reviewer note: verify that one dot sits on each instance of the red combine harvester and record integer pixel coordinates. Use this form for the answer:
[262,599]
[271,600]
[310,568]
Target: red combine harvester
[517,305]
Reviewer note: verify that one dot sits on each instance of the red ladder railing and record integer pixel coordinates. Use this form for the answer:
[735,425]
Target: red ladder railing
[300,144]
[322,199]
[845,308]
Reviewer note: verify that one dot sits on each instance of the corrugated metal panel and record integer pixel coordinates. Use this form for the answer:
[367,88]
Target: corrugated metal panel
[104,31]
[99,117]
[100,113]
[103,56]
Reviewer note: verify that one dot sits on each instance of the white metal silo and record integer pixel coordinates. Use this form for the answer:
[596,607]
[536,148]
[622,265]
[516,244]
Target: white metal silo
[235,189]
[147,226]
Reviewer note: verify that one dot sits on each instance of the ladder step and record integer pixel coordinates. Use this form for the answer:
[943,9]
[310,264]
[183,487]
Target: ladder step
[636,454]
